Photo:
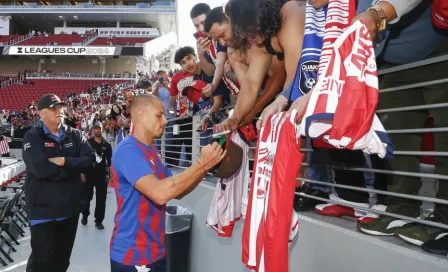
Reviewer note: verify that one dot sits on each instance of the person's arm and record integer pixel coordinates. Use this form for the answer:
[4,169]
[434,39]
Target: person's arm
[275,84]
[251,83]
[205,62]
[140,174]
[395,9]
[86,159]
[221,59]
[37,162]
[155,88]
[291,38]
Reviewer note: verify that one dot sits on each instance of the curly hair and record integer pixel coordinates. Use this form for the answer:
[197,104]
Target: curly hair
[254,17]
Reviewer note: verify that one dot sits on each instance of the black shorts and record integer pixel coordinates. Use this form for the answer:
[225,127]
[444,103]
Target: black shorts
[159,266]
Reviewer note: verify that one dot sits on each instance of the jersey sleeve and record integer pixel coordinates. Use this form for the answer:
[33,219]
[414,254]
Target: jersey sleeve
[208,58]
[220,48]
[130,161]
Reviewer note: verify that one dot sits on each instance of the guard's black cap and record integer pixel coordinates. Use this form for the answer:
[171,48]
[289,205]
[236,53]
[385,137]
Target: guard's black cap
[49,101]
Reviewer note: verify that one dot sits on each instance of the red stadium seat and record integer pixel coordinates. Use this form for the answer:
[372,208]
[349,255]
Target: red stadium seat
[119,41]
[60,39]
[19,96]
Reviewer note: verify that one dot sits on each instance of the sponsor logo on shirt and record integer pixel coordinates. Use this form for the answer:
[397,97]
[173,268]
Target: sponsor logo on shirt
[49,144]
[26,146]
[68,145]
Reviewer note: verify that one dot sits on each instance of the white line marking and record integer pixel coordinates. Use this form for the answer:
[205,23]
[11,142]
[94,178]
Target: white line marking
[23,239]
[15,266]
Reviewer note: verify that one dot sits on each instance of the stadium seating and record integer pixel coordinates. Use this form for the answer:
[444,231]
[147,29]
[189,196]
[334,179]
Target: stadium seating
[60,39]
[7,38]
[119,41]
[19,96]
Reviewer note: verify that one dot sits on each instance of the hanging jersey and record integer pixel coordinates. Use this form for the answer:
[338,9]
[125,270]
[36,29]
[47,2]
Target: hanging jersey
[341,109]
[229,201]
[270,220]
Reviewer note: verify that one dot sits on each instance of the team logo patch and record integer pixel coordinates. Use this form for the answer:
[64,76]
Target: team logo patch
[26,146]
[49,144]
[308,75]
[68,145]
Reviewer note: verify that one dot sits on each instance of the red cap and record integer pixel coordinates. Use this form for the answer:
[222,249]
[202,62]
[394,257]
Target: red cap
[193,91]
[440,13]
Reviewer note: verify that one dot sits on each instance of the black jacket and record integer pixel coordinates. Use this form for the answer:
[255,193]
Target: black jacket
[104,150]
[53,191]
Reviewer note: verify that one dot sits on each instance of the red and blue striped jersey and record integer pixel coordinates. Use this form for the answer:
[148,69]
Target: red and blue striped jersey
[139,233]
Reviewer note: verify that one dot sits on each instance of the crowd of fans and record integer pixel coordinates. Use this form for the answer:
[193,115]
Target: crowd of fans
[249,52]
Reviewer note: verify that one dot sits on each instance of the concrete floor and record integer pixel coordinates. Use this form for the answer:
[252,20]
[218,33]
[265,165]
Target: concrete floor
[91,250]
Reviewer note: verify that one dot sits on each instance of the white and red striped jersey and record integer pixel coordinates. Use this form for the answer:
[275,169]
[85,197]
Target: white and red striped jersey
[271,223]
[342,106]
[233,86]
[229,201]
[4,145]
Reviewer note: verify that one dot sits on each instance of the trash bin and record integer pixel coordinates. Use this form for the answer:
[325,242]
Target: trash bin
[177,238]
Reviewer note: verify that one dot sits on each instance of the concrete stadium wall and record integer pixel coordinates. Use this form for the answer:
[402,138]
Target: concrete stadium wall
[73,65]
[118,66]
[12,66]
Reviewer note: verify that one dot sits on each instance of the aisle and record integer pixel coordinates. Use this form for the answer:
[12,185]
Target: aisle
[91,250]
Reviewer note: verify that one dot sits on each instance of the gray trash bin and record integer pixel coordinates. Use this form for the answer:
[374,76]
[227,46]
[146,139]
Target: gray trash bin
[177,238]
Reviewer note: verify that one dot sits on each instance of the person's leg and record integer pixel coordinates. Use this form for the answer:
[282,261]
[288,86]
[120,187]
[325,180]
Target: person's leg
[88,195]
[42,247]
[101,194]
[65,234]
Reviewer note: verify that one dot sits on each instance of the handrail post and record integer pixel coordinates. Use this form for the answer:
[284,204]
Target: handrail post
[196,141]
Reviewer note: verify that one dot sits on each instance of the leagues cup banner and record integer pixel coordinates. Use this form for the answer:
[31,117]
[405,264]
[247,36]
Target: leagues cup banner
[61,50]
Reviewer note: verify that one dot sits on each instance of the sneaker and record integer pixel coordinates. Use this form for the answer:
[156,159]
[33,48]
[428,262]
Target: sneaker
[371,216]
[339,210]
[382,226]
[302,204]
[438,245]
[99,226]
[84,220]
[417,234]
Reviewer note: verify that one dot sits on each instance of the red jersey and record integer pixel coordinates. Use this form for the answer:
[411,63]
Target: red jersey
[178,82]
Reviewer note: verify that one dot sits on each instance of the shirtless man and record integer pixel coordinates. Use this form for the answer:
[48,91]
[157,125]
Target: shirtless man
[279,36]
[218,27]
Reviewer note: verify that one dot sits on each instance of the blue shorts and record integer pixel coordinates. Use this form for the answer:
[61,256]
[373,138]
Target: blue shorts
[159,266]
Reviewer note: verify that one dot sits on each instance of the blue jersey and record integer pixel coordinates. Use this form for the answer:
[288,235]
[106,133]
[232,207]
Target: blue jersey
[139,233]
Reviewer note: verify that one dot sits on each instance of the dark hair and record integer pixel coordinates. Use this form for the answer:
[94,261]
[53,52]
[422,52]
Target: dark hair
[216,15]
[199,9]
[182,52]
[113,114]
[252,17]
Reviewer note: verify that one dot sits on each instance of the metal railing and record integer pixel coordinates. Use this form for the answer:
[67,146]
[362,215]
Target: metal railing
[173,141]
[139,8]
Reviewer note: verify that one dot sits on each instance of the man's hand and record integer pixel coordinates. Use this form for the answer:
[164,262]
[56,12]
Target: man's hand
[371,21]
[247,120]
[57,160]
[202,45]
[227,67]
[229,124]
[203,126]
[274,108]
[208,90]
[211,155]
[158,85]
[83,178]
[300,105]
[165,84]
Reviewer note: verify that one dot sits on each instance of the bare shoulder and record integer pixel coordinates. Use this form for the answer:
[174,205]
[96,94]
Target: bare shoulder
[293,9]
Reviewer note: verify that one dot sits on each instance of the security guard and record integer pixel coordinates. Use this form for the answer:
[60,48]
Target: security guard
[96,177]
[55,155]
